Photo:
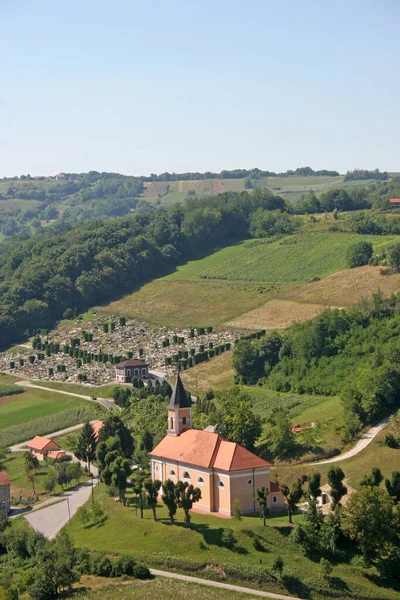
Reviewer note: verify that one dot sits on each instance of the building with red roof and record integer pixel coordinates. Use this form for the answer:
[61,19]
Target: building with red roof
[4,495]
[394,202]
[42,447]
[223,470]
[128,369]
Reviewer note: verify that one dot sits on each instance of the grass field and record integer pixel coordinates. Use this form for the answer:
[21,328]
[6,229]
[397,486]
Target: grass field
[168,589]
[346,287]
[259,276]
[159,544]
[376,454]
[216,374]
[20,486]
[180,302]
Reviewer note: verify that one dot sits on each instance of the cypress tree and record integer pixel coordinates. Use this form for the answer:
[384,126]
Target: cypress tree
[86,448]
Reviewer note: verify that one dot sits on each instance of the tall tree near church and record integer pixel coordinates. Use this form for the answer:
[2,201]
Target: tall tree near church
[87,443]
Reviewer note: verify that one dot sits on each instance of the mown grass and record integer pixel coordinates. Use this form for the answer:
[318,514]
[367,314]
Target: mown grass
[168,589]
[173,547]
[182,302]
[101,391]
[20,486]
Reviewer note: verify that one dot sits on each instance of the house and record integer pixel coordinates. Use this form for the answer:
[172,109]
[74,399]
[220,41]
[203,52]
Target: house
[42,447]
[223,470]
[4,495]
[394,202]
[60,176]
[97,425]
[128,369]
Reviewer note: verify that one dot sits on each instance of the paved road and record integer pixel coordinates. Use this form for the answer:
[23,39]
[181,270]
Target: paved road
[224,586]
[50,519]
[361,444]
[104,401]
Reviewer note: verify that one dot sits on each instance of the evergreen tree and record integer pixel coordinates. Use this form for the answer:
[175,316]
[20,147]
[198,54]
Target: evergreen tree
[262,500]
[293,495]
[87,443]
[338,490]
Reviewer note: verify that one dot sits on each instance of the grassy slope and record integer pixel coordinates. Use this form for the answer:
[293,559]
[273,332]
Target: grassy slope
[239,279]
[160,544]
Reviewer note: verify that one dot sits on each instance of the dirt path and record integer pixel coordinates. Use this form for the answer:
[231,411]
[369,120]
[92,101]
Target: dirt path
[104,401]
[361,444]
[223,586]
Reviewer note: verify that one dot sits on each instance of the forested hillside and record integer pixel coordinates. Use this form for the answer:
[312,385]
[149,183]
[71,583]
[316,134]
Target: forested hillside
[42,276]
[29,204]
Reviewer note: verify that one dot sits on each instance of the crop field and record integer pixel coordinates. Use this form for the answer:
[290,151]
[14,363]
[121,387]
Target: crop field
[182,302]
[277,314]
[34,404]
[346,287]
[294,258]
[292,188]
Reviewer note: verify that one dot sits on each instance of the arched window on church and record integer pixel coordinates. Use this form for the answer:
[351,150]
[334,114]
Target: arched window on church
[221,484]
[171,423]
[184,421]
[172,472]
[186,475]
[200,480]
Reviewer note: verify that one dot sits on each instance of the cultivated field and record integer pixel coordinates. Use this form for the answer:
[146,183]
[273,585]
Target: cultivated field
[346,287]
[292,188]
[277,314]
[179,302]
[216,374]
[255,284]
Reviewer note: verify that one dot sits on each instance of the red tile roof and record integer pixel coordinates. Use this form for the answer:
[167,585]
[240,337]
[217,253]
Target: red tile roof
[39,443]
[56,454]
[132,362]
[394,200]
[4,478]
[97,425]
[206,449]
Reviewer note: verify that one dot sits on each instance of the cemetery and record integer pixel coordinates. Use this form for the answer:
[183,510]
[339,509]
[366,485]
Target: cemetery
[87,352]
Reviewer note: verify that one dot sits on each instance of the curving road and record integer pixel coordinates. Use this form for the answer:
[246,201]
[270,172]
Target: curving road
[362,443]
[106,402]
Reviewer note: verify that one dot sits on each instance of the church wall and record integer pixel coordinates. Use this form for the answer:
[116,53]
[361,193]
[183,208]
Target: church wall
[243,485]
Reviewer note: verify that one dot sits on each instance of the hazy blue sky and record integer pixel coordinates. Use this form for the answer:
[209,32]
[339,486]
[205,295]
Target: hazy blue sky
[149,86]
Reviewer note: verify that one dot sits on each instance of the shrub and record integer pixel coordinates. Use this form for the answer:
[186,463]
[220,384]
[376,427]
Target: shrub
[101,566]
[277,565]
[228,538]
[359,254]
[123,565]
[141,572]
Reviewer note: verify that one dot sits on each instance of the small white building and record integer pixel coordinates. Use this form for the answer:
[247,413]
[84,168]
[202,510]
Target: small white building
[128,369]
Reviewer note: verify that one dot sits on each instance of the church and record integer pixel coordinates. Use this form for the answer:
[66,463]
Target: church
[223,470]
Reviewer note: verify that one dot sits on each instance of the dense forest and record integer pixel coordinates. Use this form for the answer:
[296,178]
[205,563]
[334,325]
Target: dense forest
[354,353]
[239,174]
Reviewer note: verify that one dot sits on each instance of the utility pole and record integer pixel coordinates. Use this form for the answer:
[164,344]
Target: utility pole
[69,511]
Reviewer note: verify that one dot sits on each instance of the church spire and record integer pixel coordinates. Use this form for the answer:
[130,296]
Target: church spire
[179,409]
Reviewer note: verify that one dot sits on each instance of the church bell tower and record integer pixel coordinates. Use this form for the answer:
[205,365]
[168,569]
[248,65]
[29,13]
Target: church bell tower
[179,410]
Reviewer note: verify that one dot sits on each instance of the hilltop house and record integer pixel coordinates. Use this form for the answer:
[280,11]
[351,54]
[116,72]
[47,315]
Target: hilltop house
[4,495]
[394,202]
[128,369]
[222,470]
[42,447]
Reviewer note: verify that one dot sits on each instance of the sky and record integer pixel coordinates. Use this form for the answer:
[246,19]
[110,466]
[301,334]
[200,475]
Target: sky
[140,87]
